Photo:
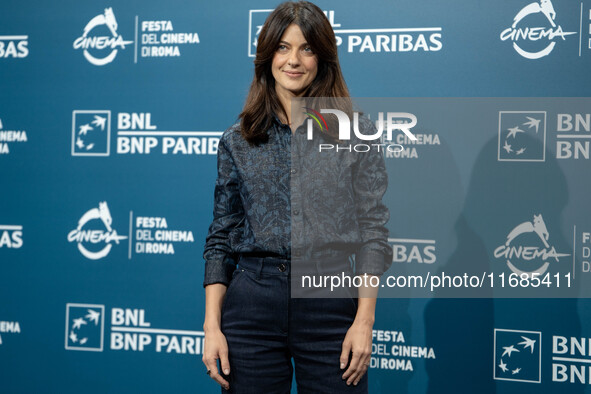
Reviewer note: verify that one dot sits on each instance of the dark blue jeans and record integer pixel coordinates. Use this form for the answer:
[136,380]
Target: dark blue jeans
[265,328]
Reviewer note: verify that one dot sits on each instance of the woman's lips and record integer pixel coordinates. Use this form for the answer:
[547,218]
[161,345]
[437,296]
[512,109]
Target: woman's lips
[293,74]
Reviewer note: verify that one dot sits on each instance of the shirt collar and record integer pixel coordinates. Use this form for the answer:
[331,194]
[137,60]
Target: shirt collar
[277,121]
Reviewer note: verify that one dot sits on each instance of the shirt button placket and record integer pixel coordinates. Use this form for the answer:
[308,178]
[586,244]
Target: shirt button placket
[296,218]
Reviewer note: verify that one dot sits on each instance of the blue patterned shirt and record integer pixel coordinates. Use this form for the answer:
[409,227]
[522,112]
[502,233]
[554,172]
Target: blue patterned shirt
[283,198]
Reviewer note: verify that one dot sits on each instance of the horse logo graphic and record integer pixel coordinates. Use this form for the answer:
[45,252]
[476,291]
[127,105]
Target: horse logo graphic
[545,7]
[108,18]
[537,226]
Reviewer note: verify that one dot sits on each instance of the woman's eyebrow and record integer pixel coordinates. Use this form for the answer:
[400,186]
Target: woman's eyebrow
[285,42]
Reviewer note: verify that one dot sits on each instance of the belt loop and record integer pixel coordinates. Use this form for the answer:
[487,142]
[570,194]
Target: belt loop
[261,262]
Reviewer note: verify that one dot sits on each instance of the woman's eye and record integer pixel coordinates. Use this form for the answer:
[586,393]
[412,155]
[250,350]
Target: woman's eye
[281,47]
[308,51]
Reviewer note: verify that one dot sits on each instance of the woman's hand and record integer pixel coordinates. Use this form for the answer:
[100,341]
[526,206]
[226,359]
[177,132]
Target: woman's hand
[358,341]
[215,347]
[359,336]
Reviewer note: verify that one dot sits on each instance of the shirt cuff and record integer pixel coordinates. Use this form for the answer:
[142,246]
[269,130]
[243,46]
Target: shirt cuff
[219,270]
[371,262]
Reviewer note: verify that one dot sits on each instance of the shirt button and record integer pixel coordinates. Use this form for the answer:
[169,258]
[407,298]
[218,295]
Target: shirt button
[296,212]
[293,171]
[282,267]
[296,253]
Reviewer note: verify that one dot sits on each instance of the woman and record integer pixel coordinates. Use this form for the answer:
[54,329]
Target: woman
[261,228]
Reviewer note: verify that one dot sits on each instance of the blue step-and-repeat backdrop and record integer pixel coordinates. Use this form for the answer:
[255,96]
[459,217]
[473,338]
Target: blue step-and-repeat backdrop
[110,116]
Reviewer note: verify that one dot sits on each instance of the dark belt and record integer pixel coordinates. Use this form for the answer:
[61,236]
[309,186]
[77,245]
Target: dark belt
[282,265]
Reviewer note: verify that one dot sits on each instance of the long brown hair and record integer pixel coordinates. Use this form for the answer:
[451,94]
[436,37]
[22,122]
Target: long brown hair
[262,101]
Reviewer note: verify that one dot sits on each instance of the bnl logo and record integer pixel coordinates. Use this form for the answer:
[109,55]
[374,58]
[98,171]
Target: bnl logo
[85,327]
[91,133]
[256,20]
[522,136]
[518,355]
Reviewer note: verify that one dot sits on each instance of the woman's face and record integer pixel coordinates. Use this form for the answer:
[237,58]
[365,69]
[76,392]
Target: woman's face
[294,64]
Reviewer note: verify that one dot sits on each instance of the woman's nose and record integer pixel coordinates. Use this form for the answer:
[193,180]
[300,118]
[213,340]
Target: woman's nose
[294,59]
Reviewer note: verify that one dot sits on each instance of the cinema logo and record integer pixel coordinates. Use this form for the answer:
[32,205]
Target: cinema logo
[390,351]
[418,251]
[157,38]
[87,325]
[11,236]
[16,47]
[371,40]
[100,49]
[530,40]
[94,234]
[8,137]
[137,134]
[527,247]
[374,141]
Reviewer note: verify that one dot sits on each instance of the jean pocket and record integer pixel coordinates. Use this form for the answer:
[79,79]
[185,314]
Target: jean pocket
[237,275]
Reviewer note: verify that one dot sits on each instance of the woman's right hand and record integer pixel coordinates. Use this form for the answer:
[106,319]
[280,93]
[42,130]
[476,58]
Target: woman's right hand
[215,347]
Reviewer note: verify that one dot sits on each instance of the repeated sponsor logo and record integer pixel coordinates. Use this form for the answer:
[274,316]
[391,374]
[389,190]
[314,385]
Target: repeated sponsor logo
[102,40]
[519,134]
[14,47]
[363,40]
[136,134]
[571,359]
[523,135]
[534,31]
[153,235]
[519,357]
[391,351]
[94,235]
[92,327]
[11,236]
[9,138]
[97,48]
[573,136]
[85,326]
[159,39]
[91,133]
[7,328]
[417,251]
